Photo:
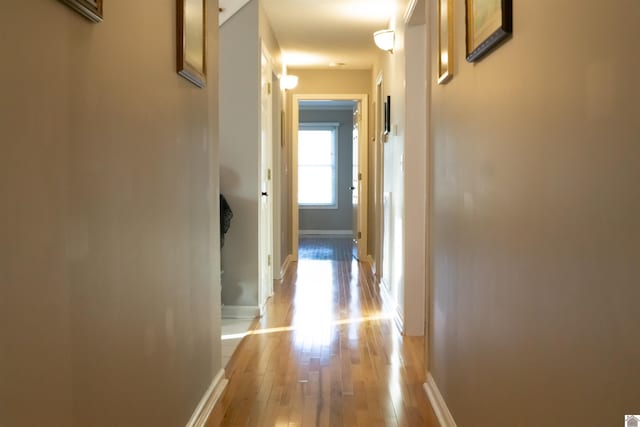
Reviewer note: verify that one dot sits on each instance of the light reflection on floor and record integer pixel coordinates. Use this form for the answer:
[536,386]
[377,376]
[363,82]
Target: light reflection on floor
[313,302]
[354,322]
[326,353]
[316,315]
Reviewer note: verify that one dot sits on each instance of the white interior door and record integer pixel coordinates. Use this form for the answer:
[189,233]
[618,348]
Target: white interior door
[265,287]
[355,180]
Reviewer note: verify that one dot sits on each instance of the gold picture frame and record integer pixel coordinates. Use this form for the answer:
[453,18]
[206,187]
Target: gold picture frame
[192,41]
[445,41]
[489,24]
[90,9]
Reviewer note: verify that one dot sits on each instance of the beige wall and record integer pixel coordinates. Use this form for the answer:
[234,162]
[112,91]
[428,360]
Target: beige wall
[239,153]
[331,81]
[416,169]
[109,297]
[536,231]
[269,41]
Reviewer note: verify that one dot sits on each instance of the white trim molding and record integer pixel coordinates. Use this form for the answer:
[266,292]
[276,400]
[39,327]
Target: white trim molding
[390,305]
[230,9]
[326,233]
[263,307]
[208,401]
[369,260]
[437,402]
[408,13]
[240,311]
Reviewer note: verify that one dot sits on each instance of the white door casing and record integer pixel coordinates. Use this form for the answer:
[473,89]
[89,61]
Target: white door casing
[265,247]
[355,180]
[378,180]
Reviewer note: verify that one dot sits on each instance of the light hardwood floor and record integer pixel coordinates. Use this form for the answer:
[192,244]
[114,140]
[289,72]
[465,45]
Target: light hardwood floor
[325,354]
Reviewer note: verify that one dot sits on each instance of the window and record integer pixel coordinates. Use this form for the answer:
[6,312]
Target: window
[317,164]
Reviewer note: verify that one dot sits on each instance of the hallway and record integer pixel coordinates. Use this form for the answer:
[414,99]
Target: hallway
[325,354]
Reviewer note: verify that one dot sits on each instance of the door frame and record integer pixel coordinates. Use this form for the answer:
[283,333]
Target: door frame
[265,236]
[363,98]
[378,178]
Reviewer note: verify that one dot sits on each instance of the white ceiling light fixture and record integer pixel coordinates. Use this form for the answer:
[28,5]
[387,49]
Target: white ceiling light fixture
[288,82]
[385,39]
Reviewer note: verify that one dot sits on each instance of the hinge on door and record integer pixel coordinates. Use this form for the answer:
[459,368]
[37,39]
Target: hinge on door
[359,177]
[359,235]
[269,260]
[268,88]
[269,174]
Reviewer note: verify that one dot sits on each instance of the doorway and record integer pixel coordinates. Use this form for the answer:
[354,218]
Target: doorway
[346,191]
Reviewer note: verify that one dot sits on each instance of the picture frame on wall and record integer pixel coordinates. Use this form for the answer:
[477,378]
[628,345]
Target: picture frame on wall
[489,24]
[90,9]
[445,41]
[192,41]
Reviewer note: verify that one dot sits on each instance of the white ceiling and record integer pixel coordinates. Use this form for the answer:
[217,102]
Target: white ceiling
[318,33]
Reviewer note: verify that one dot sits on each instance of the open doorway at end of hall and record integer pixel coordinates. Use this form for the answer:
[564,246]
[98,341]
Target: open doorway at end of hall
[329,169]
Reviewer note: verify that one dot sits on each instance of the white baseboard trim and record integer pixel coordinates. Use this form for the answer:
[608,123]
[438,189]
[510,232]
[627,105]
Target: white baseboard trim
[390,305]
[285,266]
[240,311]
[325,232]
[437,402]
[371,263]
[208,401]
[388,302]
[263,306]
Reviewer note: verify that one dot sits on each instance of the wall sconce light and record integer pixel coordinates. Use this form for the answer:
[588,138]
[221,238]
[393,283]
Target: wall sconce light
[288,82]
[385,39]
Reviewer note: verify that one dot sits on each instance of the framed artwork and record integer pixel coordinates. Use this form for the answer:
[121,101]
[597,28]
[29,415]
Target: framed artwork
[489,23]
[90,9]
[192,41]
[445,41]
[387,115]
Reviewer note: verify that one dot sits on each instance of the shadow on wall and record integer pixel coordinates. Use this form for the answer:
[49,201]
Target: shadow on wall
[229,180]
[239,256]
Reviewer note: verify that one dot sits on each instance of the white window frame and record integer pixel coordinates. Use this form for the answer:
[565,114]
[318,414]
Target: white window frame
[335,128]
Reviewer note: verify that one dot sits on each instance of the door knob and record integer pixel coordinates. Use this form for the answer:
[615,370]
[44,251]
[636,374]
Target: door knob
[352,188]
[264,193]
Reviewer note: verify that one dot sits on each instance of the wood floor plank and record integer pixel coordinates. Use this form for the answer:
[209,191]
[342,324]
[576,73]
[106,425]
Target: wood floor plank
[325,353]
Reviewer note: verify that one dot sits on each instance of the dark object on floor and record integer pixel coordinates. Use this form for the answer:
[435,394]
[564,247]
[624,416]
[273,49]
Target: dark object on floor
[225,218]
